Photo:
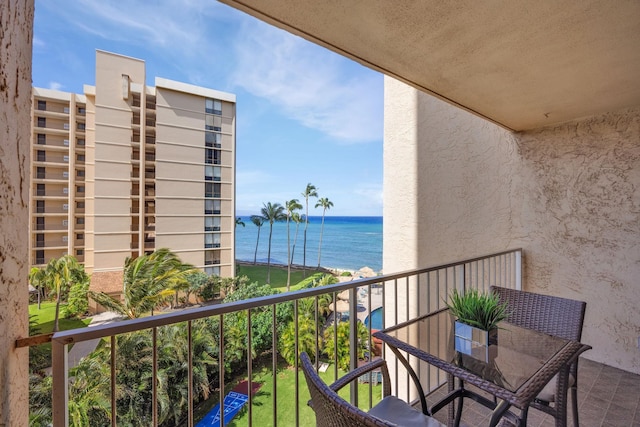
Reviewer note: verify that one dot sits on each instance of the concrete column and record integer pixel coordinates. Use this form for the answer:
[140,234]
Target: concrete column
[16,33]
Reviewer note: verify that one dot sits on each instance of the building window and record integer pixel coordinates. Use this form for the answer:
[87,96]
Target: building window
[42,122]
[40,172]
[81,110]
[39,206]
[80,188]
[79,205]
[213,106]
[40,223]
[80,157]
[213,139]
[81,126]
[213,123]
[42,105]
[40,256]
[79,236]
[80,173]
[39,240]
[80,142]
[42,156]
[42,139]
[208,190]
[79,252]
[40,190]
[80,221]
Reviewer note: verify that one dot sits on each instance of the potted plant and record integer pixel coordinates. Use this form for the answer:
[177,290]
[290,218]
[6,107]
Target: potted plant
[477,317]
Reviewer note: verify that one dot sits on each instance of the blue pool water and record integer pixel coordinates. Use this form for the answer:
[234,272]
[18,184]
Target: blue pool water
[376,319]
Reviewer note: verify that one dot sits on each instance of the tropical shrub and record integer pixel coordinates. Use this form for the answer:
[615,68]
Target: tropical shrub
[306,339]
[341,346]
[78,300]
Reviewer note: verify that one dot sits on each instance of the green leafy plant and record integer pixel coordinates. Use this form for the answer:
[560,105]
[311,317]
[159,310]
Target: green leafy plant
[481,310]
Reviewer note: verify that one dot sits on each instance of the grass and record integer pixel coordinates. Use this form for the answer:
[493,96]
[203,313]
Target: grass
[262,408]
[44,318]
[258,273]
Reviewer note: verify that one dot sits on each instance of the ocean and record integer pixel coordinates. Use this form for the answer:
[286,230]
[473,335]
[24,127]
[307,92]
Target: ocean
[348,242]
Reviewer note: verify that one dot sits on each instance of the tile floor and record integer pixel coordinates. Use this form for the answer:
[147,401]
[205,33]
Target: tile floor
[607,397]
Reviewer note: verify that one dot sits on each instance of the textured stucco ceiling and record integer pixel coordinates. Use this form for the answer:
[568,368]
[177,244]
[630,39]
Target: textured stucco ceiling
[522,64]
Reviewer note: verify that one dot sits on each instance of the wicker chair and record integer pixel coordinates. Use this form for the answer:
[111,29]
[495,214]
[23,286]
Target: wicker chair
[554,316]
[333,411]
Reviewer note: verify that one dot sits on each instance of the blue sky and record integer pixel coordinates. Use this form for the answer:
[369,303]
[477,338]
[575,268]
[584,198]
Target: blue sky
[304,113]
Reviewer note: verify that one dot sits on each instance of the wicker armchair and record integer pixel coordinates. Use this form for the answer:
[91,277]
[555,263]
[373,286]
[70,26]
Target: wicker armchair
[554,316]
[333,411]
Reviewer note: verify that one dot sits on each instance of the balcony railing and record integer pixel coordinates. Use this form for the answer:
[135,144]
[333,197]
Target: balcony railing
[428,288]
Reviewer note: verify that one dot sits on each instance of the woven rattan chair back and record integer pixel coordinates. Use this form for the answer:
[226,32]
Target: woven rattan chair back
[551,315]
[332,410]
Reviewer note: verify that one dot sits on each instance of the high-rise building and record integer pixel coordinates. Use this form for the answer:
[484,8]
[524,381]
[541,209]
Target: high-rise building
[126,168]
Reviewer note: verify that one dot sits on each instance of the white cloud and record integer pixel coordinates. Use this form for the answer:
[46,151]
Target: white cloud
[310,84]
[177,26]
[55,86]
[38,42]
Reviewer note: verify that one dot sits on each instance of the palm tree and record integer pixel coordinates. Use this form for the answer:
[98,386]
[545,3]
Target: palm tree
[297,218]
[272,213]
[38,279]
[239,221]
[258,221]
[325,204]
[61,274]
[148,280]
[291,206]
[310,191]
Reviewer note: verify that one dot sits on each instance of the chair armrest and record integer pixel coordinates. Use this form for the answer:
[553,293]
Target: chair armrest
[356,373]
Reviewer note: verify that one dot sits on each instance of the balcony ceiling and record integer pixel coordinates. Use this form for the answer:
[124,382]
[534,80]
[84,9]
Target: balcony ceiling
[520,64]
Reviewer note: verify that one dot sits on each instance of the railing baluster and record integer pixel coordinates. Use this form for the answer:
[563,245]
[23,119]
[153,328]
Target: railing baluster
[114,411]
[221,370]
[274,367]
[154,377]
[249,370]
[335,338]
[372,348]
[353,342]
[190,370]
[295,362]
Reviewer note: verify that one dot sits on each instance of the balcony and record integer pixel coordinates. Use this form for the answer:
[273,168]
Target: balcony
[598,383]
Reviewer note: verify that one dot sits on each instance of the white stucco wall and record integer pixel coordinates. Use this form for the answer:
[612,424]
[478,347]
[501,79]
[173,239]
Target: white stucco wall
[581,213]
[16,24]
[457,186]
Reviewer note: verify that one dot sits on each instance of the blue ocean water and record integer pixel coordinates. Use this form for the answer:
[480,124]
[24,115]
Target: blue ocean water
[348,242]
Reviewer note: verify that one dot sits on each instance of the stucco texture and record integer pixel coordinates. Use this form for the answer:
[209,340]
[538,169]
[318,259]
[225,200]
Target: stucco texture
[568,195]
[16,24]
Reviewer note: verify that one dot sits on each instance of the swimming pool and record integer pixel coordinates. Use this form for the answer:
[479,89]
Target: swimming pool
[376,319]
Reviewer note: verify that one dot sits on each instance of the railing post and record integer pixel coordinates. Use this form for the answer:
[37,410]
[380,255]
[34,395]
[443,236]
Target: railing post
[353,341]
[60,384]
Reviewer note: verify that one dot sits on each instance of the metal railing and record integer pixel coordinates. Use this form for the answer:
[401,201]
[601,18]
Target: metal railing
[399,297]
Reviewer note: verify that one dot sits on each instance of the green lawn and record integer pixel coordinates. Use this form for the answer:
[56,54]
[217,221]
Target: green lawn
[262,412]
[258,273]
[44,318]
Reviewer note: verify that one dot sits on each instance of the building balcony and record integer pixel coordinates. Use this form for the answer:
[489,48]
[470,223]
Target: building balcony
[259,359]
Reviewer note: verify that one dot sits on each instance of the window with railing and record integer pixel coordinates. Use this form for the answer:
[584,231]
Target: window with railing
[42,139]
